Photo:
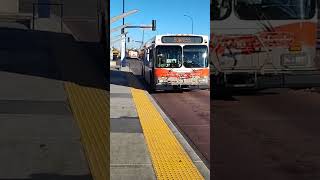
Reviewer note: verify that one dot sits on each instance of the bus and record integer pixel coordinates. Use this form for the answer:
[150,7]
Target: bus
[259,44]
[176,61]
[132,54]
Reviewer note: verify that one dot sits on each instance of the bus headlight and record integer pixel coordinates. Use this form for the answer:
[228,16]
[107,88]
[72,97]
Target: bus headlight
[294,59]
[162,80]
[202,80]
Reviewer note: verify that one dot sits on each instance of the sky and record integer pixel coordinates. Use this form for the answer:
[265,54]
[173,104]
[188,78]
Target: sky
[169,15]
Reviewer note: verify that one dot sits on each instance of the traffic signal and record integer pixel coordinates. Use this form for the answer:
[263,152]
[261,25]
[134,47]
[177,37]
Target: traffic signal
[154,25]
[128,39]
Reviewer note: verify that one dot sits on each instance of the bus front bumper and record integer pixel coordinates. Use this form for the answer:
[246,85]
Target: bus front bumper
[180,87]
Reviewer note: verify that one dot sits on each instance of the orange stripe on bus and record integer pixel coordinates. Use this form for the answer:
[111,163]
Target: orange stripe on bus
[168,73]
[304,32]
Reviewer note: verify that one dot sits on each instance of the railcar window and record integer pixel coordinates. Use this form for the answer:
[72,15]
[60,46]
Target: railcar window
[169,56]
[195,56]
[275,9]
[220,9]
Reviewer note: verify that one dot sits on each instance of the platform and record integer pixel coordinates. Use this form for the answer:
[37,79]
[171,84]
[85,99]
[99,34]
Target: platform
[144,143]
[54,107]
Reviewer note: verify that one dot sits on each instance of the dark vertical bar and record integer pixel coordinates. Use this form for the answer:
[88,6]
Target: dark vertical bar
[61,13]
[33,15]
[105,32]
[122,11]
[98,14]
[122,30]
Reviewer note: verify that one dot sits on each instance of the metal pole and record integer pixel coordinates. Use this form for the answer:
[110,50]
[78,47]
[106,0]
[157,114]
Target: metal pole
[123,11]
[142,38]
[98,16]
[33,15]
[123,41]
[191,22]
[61,9]
[192,25]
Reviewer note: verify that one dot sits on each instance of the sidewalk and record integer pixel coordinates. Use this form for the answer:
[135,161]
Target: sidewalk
[144,146]
[128,151]
[39,137]
[50,84]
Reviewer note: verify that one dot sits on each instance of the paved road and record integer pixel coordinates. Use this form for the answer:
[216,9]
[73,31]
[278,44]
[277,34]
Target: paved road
[269,135]
[190,112]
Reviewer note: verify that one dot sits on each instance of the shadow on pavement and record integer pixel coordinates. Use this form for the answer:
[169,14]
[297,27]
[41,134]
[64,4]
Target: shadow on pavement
[123,78]
[53,177]
[53,56]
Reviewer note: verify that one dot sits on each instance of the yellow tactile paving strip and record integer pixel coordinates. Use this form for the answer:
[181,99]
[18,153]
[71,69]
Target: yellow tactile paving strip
[90,107]
[169,159]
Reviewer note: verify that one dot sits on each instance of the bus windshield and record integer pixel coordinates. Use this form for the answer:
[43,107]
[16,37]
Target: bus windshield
[275,9]
[168,56]
[195,56]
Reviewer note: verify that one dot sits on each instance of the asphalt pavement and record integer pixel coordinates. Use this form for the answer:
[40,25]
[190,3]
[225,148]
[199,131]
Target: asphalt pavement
[268,135]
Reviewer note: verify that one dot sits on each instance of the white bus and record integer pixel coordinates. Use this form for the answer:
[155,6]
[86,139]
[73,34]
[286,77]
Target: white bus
[176,61]
[264,43]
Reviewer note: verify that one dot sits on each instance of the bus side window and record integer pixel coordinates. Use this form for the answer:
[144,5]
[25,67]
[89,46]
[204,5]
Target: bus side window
[146,61]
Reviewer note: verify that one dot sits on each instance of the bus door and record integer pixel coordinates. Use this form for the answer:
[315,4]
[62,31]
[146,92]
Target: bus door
[150,65]
[145,63]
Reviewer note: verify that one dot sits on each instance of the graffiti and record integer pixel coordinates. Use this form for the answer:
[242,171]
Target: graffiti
[248,44]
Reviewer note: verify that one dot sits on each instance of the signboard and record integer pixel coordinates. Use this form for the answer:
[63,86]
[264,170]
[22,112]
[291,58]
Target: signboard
[181,39]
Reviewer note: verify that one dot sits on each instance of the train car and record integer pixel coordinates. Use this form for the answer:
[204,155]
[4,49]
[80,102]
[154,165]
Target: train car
[264,44]
[176,61]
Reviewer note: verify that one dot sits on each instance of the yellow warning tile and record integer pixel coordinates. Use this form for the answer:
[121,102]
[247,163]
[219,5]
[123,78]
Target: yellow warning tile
[90,107]
[169,159]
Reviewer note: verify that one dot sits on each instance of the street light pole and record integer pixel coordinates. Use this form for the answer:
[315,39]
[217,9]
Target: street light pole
[123,11]
[191,21]
[123,40]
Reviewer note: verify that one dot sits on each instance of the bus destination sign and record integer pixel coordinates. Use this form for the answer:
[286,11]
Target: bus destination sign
[181,39]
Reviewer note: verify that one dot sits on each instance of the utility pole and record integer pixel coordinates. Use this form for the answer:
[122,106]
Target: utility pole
[123,39]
